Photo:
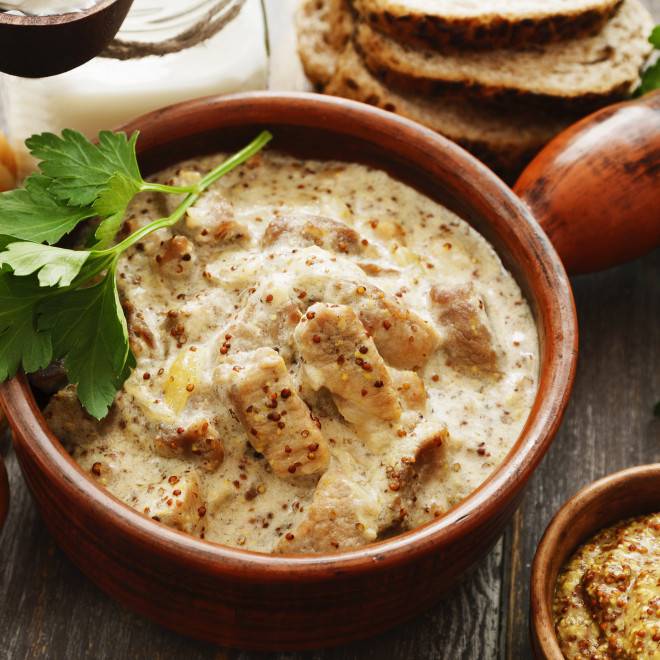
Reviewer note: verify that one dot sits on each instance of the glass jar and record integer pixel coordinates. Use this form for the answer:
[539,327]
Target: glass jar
[166,51]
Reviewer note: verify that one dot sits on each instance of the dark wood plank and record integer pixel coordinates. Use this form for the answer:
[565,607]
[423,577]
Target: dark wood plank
[48,609]
[609,424]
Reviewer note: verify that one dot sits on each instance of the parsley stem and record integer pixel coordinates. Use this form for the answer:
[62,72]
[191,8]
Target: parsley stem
[224,168]
[92,268]
[148,186]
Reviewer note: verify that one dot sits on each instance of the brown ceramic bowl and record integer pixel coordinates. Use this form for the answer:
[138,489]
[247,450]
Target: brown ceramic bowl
[622,495]
[260,601]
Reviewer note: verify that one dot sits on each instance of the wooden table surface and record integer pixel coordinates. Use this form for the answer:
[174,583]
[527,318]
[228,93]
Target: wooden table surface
[49,610]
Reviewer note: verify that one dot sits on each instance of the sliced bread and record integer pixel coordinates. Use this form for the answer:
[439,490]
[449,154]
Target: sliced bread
[324,27]
[580,73]
[504,139]
[589,71]
[480,24]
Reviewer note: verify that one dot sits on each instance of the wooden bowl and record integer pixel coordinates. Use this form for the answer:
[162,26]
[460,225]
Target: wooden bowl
[258,601]
[39,46]
[621,495]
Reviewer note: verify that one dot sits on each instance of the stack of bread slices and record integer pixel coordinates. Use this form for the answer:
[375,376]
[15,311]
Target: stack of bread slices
[500,77]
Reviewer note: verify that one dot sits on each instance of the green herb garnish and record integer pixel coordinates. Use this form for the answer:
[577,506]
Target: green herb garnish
[58,303]
[651,77]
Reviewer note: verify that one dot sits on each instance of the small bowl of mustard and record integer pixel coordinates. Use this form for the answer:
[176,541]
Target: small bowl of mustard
[595,583]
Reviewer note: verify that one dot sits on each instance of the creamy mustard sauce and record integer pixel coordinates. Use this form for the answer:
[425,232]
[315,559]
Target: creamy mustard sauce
[607,599]
[325,357]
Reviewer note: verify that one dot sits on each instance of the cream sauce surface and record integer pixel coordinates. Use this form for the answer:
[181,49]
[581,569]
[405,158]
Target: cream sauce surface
[325,357]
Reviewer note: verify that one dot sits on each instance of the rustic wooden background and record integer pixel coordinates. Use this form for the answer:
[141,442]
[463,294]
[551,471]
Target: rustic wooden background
[49,610]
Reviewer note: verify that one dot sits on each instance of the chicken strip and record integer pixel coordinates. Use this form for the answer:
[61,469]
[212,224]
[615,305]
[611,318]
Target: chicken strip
[343,514]
[211,220]
[301,231]
[276,420]
[403,338]
[468,339]
[176,501]
[268,317]
[199,439]
[339,355]
[410,387]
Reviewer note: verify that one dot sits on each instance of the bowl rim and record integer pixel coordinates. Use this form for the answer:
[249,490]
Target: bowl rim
[55,19]
[541,619]
[483,503]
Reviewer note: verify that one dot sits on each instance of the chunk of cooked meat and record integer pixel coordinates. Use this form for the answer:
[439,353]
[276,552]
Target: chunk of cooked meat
[403,338]
[199,439]
[340,356]
[418,461]
[71,423]
[176,256]
[468,339]
[300,231]
[176,501]
[410,388]
[268,317]
[277,421]
[211,220]
[175,249]
[140,334]
[342,515]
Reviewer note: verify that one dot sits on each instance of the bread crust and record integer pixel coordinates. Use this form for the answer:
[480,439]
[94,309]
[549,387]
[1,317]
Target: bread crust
[324,27]
[486,32]
[582,74]
[506,140]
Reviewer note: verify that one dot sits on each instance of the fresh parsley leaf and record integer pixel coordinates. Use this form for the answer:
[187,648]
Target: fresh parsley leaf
[21,344]
[80,170]
[655,36]
[32,214]
[4,242]
[55,266]
[650,79]
[651,76]
[111,205]
[89,331]
[53,304]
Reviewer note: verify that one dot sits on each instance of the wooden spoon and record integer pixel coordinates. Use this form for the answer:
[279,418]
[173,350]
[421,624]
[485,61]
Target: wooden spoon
[39,46]
[595,188]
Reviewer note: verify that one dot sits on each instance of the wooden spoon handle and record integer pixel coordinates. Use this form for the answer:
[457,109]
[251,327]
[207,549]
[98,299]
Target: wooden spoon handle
[595,188]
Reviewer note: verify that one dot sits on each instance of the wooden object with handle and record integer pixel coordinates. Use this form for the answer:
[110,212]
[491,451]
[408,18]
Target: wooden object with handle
[595,188]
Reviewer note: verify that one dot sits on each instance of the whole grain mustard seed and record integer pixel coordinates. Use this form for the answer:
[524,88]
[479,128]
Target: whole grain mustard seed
[612,584]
